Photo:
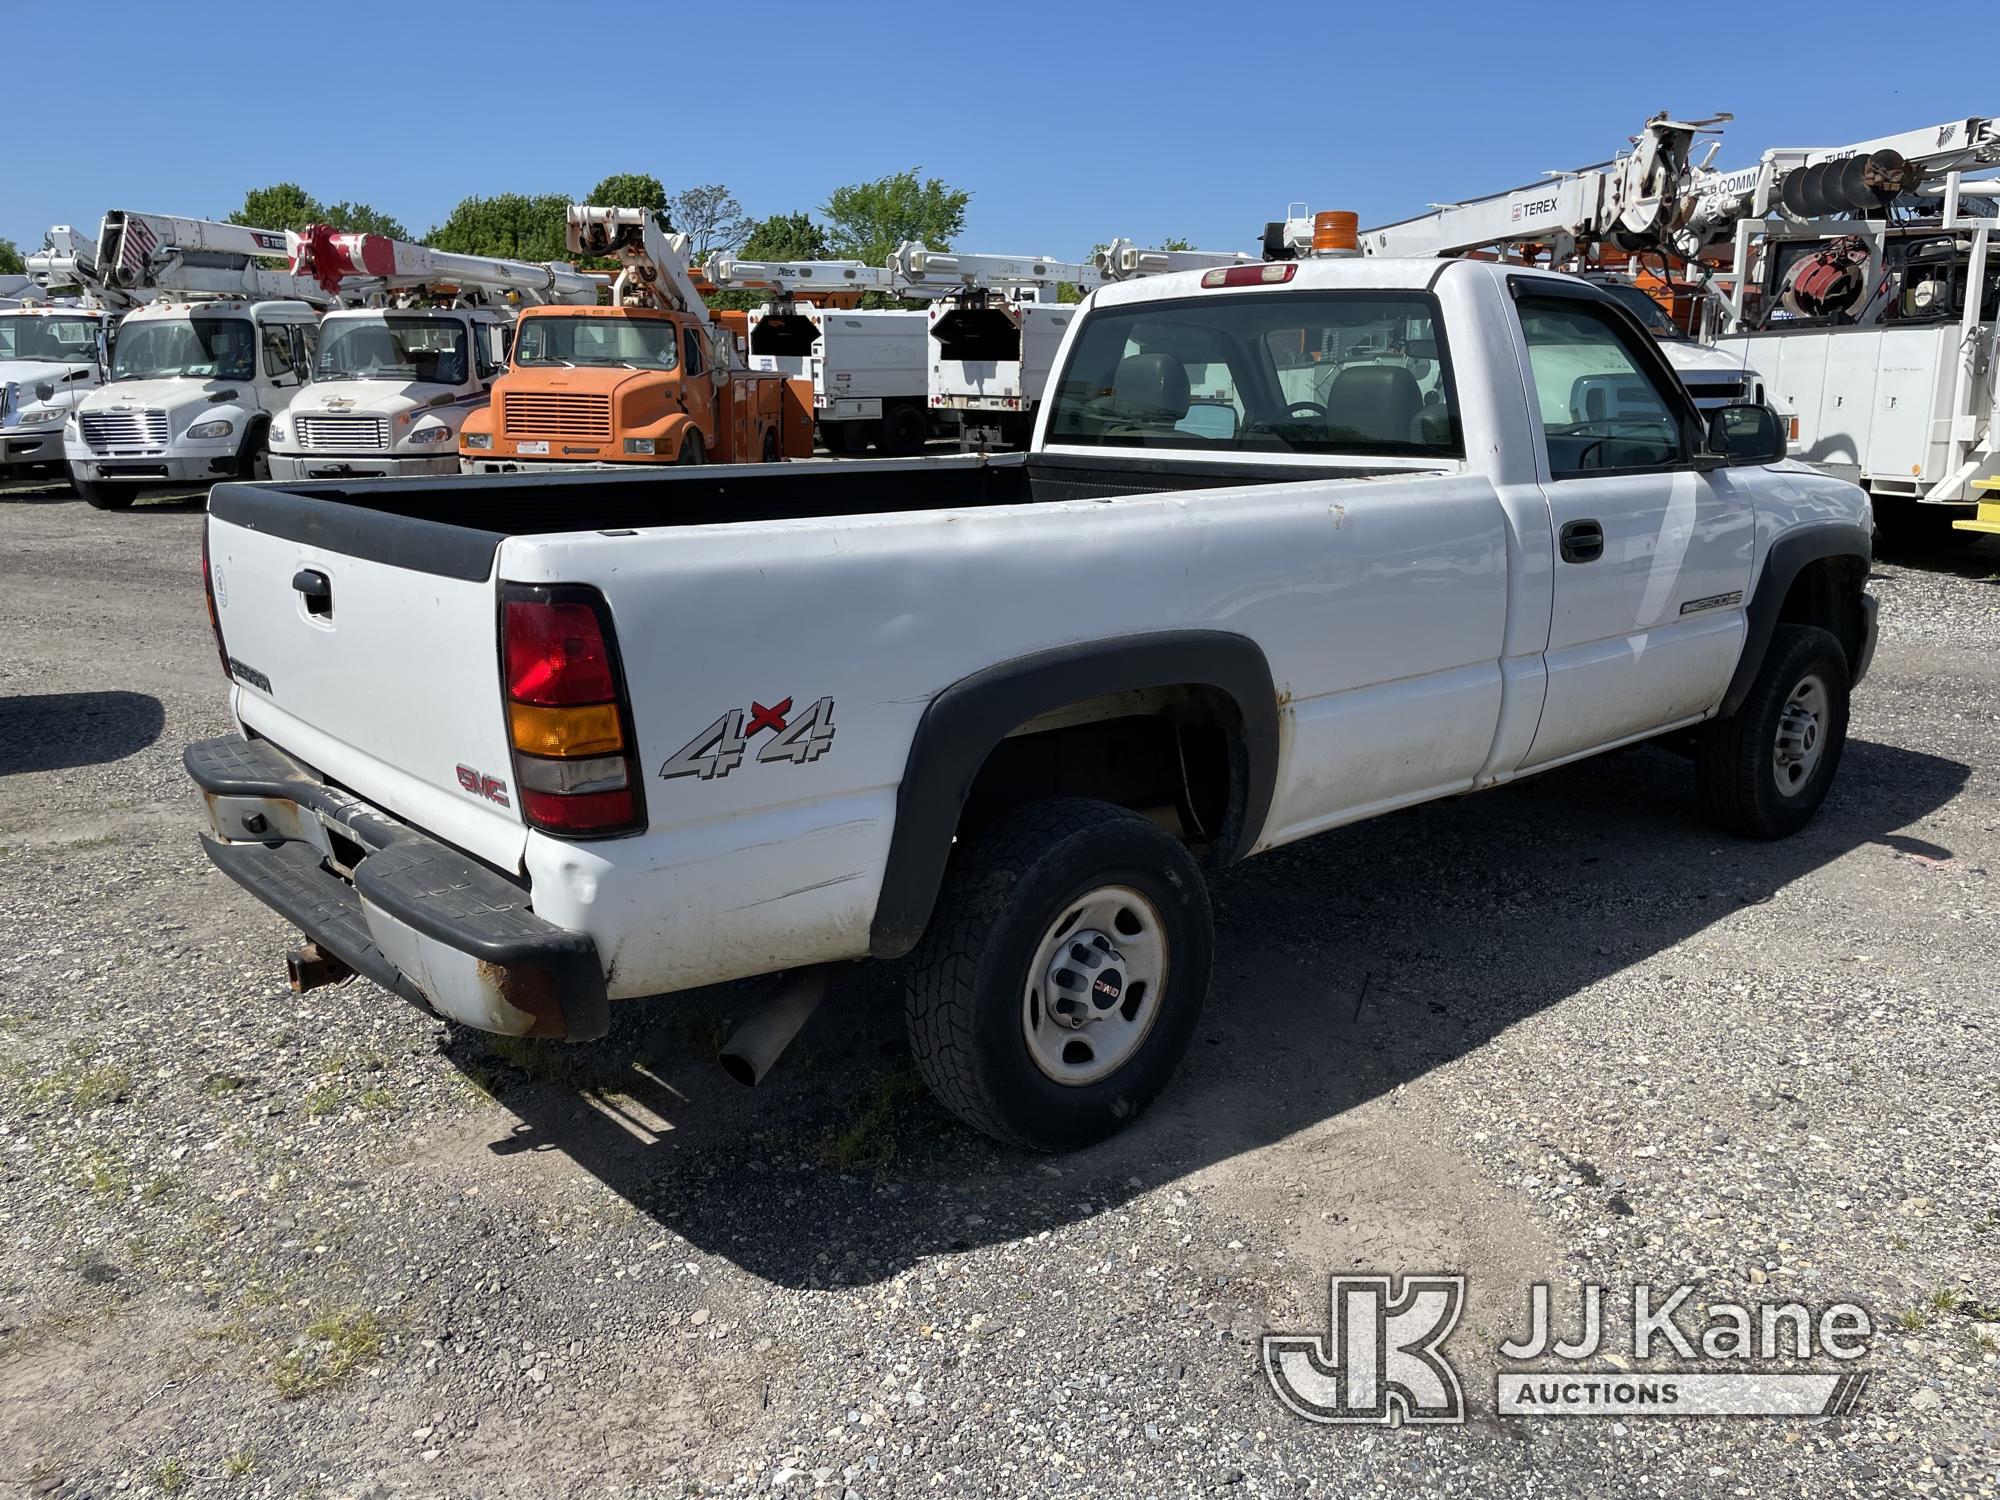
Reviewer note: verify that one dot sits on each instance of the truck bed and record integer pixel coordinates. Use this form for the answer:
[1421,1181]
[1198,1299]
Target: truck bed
[452,525]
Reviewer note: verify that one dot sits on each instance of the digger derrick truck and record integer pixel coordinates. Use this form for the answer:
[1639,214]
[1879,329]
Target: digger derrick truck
[1586,220]
[653,378]
[392,384]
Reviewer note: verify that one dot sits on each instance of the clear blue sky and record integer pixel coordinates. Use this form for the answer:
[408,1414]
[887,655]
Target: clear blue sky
[1201,121]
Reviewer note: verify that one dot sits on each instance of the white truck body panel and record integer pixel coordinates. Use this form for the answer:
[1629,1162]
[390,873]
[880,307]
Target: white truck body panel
[862,357]
[1000,385]
[1421,635]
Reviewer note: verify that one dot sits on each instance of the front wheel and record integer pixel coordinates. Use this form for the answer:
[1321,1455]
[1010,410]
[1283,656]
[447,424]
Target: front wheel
[1766,768]
[101,494]
[690,449]
[1061,977]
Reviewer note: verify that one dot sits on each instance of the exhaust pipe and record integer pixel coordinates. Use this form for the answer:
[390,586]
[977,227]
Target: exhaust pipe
[750,1053]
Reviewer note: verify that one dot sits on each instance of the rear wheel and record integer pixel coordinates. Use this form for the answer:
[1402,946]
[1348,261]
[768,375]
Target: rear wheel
[1061,977]
[102,494]
[1766,768]
[691,451]
[770,447]
[904,430]
[845,437]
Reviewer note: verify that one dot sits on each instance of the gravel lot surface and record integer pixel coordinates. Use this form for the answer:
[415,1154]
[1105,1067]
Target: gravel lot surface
[259,1244]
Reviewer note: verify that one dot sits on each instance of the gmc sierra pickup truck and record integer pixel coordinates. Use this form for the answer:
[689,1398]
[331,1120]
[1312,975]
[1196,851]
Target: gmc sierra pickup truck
[1295,544]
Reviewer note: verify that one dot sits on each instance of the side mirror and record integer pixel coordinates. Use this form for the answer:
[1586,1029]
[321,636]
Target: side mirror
[1746,434]
[46,391]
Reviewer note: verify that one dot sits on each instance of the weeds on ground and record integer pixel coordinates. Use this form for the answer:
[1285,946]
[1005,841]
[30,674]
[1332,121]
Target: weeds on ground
[337,1341]
[869,1139]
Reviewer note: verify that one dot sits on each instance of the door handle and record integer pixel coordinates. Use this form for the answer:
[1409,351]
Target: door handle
[1582,541]
[317,590]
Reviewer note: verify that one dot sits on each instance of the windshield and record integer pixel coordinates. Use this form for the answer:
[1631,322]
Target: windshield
[639,344]
[200,348]
[1359,372]
[1636,300]
[60,340]
[432,350]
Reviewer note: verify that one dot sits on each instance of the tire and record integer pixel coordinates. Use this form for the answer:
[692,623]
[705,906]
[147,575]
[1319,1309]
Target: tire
[846,438]
[771,454]
[253,460]
[100,495]
[903,431]
[994,1046]
[691,451]
[1752,781]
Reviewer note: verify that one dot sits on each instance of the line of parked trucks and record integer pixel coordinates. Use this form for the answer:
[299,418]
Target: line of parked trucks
[1851,288]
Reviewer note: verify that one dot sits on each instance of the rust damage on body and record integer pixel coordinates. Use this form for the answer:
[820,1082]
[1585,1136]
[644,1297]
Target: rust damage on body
[528,989]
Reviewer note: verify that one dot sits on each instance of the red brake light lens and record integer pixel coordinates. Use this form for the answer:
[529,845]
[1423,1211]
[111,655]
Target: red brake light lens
[556,654]
[1268,274]
[579,812]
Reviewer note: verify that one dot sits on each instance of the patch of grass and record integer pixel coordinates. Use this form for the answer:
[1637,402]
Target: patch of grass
[171,1476]
[549,1062]
[103,1174]
[323,1100]
[218,1084]
[1913,1320]
[337,1341]
[159,1187]
[1944,1300]
[869,1140]
[77,1084]
[379,1097]
[239,1463]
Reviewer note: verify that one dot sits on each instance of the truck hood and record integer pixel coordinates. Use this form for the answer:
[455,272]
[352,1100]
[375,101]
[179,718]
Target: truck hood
[26,372]
[597,382]
[164,395]
[374,397]
[1701,358]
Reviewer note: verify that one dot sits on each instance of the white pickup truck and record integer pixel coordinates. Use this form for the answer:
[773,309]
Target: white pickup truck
[517,747]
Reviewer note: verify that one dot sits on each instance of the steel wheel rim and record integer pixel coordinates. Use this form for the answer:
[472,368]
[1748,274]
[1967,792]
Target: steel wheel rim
[1094,986]
[1802,734]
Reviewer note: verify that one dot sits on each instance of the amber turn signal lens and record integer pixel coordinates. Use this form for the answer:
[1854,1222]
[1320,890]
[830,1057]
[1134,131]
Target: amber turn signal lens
[565,732]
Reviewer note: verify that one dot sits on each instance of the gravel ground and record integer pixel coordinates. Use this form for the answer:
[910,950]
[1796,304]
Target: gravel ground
[252,1243]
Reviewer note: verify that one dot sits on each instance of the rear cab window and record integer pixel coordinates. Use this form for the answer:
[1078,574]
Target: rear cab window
[1308,372]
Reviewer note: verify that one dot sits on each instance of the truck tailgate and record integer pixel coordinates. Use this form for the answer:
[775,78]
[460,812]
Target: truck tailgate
[382,675]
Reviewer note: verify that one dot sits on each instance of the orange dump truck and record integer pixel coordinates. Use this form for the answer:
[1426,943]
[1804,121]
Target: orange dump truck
[651,379]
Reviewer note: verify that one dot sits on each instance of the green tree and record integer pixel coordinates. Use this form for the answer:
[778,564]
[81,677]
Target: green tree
[781,237]
[868,220]
[283,205]
[711,218]
[11,263]
[512,226]
[1175,242]
[359,218]
[630,190]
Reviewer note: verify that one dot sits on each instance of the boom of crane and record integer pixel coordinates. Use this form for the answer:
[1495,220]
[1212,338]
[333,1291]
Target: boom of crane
[1121,260]
[947,272]
[139,256]
[1633,202]
[336,260]
[653,265]
[835,283]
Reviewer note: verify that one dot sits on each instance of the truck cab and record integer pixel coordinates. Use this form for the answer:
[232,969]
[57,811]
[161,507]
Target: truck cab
[50,358]
[391,389]
[193,389]
[589,386]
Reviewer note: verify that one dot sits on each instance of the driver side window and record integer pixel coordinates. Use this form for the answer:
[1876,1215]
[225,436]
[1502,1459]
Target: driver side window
[1601,408]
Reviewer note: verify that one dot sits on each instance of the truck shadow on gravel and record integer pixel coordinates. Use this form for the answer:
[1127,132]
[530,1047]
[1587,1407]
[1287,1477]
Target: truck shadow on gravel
[1345,967]
[62,731]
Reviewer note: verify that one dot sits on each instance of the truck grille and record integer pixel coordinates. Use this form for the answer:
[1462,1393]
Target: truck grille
[1725,391]
[124,429]
[548,414]
[343,433]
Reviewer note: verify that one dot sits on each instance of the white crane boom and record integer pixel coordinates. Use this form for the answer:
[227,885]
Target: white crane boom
[922,266]
[790,277]
[654,268]
[334,259]
[1121,260]
[140,253]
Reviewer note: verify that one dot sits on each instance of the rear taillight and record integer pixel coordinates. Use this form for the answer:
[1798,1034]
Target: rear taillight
[1264,275]
[208,593]
[568,718]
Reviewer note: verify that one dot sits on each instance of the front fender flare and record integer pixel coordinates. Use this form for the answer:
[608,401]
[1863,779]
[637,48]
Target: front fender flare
[969,718]
[1789,554]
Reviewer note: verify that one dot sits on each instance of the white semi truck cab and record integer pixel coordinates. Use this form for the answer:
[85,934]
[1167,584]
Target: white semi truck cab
[192,392]
[50,358]
[391,388]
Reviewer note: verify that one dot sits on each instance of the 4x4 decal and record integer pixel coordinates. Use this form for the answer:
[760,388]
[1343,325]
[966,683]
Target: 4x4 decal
[719,749]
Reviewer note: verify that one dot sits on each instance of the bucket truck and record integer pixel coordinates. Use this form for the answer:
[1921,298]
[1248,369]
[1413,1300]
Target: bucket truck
[651,379]
[1864,281]
[868,367]
[215,345]
[1627,206]
[393,384]
[999,325]
[52,354]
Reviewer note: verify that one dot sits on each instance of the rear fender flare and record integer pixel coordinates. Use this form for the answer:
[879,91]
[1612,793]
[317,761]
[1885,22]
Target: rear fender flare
[969,718]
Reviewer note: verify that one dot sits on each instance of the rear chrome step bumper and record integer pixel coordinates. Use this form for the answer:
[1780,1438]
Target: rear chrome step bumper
[418,917]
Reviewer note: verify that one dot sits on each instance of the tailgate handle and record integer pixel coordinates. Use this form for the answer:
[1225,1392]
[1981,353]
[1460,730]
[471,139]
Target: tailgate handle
[317,590]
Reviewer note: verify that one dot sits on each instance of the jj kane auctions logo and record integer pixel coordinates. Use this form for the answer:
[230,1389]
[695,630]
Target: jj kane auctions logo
[1381,1358]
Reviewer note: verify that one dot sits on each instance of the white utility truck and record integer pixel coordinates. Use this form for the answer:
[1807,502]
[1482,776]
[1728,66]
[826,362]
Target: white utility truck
[218,344]
[50,357]
[393,384]
[999,714]
[869,367]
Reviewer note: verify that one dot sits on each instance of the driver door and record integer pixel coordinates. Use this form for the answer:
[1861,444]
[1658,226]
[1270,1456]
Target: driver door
[1652,554]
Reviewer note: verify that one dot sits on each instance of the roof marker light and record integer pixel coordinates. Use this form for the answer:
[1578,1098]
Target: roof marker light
[1263,275]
